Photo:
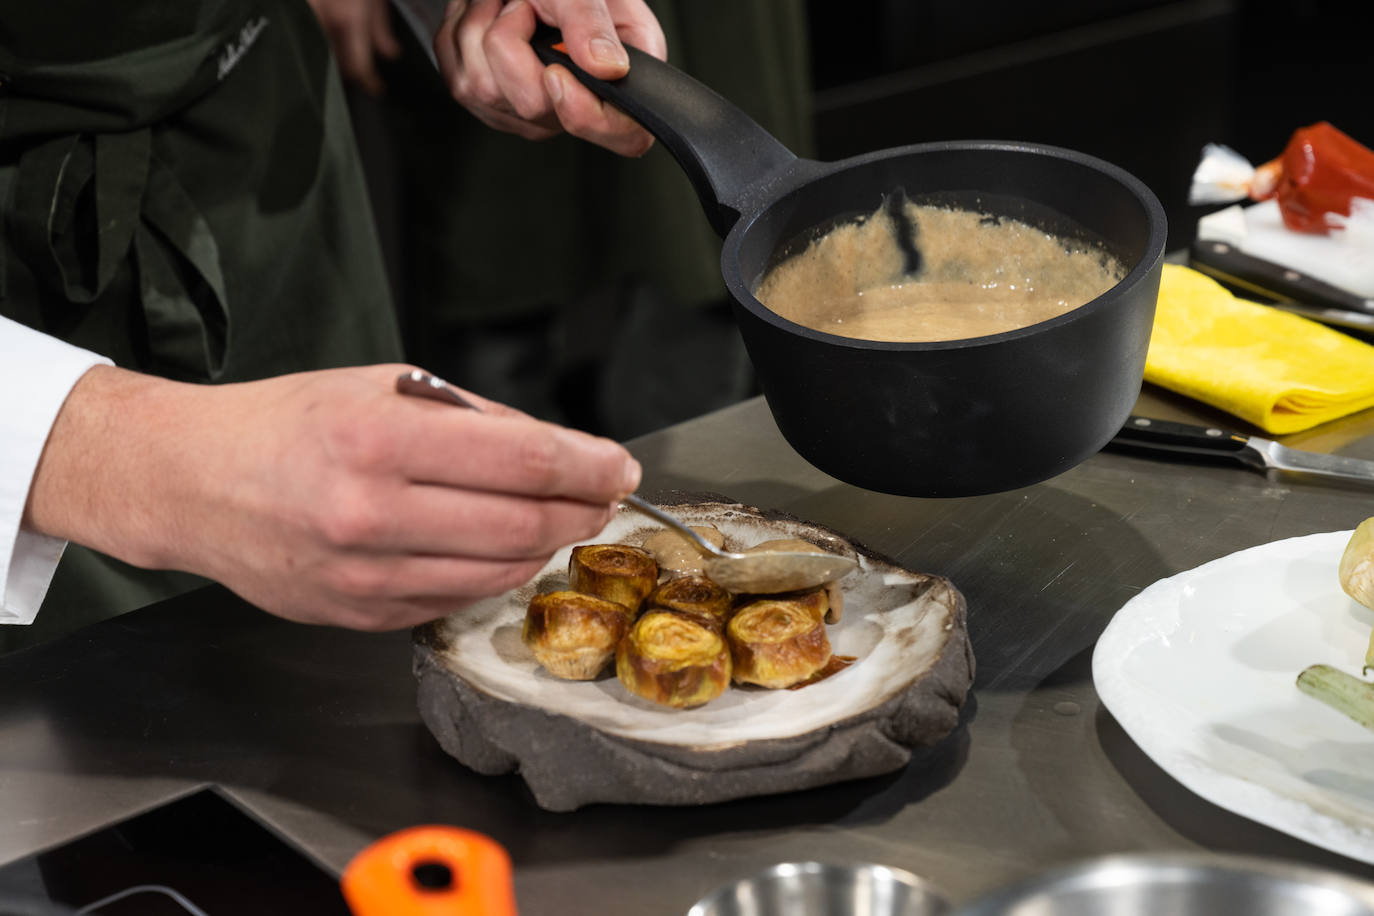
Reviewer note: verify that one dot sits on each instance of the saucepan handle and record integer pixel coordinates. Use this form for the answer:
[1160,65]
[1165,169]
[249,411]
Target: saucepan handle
[730,159]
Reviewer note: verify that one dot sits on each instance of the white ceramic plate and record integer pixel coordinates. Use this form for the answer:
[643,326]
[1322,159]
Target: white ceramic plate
[1200,671]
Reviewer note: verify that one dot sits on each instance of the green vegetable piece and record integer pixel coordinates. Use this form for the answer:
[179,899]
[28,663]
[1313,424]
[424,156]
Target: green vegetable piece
[1341,691]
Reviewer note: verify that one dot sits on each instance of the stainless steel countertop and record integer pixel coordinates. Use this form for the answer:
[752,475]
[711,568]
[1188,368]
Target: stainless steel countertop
[316,730]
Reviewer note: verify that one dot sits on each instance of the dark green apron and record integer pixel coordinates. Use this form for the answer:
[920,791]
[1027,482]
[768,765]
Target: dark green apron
[191,207]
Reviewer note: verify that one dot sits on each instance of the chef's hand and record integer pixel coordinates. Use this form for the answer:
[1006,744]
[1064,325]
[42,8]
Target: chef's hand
[359,31]
[483,49]
[322,497]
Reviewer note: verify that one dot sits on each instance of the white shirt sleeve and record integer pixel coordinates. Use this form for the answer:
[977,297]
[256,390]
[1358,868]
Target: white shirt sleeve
[37,373]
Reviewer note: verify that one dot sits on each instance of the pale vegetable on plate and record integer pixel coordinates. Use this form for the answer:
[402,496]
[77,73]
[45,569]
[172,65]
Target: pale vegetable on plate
[1357,574]
[1357,564]
[1338,689]
[1341,691]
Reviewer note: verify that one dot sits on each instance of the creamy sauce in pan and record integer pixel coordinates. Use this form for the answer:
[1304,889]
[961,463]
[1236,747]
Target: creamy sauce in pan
[979,275]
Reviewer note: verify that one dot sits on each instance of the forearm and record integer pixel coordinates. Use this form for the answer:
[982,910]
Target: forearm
[114,462]
[36,374]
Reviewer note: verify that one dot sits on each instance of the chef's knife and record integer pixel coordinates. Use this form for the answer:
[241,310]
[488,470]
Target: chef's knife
[1289,289]
[1166,435]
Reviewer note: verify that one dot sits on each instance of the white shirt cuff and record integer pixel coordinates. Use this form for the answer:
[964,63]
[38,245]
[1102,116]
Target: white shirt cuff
[37,373]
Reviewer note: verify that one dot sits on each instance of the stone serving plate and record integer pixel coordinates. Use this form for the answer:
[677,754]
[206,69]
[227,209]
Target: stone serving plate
[491,705]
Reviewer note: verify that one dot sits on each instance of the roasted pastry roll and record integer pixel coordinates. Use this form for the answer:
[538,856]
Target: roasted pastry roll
[616,572]
[815,600]
[574,635]
[694,596]
[673,660]
[777,642]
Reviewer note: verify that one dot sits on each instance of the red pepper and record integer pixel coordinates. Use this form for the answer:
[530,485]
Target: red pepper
[1320,170]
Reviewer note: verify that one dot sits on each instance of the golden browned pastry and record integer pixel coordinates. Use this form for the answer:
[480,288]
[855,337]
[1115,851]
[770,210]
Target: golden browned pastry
[616,572]
[673,660]
[695,596]
[777,642]
[574,635]
[815,600]
[819,600]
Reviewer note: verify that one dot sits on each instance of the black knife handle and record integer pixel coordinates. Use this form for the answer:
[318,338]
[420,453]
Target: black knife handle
[1166,435]
[1274,281]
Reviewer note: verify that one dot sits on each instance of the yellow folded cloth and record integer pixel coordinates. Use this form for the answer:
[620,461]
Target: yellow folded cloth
[1277,370]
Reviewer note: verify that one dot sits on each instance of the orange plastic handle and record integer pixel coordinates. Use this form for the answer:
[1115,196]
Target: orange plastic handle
[403,874]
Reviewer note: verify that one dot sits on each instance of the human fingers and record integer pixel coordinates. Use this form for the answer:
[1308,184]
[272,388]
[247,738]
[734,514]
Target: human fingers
[458,47]
[502,454]
[445,44]
[464,399]
[454,522]
[384,40]
[386,593]
[595,32]
[353,46]
[490,448]
[515,70]
[524,98]
[584,115]
[589,34]
[358,31]
[580,111]
[637,26]
[552,98]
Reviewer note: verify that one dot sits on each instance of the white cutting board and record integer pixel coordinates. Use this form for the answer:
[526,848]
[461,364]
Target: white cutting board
[1343,258]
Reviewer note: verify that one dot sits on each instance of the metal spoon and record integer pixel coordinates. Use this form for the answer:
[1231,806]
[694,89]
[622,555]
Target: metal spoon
[758,573]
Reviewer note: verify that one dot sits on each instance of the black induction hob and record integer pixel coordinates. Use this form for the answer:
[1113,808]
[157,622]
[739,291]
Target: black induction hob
[199,855]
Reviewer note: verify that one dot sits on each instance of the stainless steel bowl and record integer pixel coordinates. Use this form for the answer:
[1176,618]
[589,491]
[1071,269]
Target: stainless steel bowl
[1181,885]
[817,889]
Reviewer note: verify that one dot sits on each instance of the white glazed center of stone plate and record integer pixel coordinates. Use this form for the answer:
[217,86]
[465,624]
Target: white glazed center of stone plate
[896,622]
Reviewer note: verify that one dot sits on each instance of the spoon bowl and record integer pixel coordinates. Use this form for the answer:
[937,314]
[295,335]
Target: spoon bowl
[763,572]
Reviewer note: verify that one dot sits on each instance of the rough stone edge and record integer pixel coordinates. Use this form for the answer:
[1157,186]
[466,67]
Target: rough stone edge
[568,764]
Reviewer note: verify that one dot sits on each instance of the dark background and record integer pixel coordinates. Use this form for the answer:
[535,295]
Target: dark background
[1142,84]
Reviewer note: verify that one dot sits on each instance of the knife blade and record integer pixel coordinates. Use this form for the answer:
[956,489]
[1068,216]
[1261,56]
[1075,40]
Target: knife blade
[1261,454]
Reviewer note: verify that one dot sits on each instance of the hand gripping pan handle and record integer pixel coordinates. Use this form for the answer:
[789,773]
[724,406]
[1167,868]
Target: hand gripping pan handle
[732,162]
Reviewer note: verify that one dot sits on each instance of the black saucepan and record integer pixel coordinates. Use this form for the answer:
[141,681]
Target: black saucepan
[946,418]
